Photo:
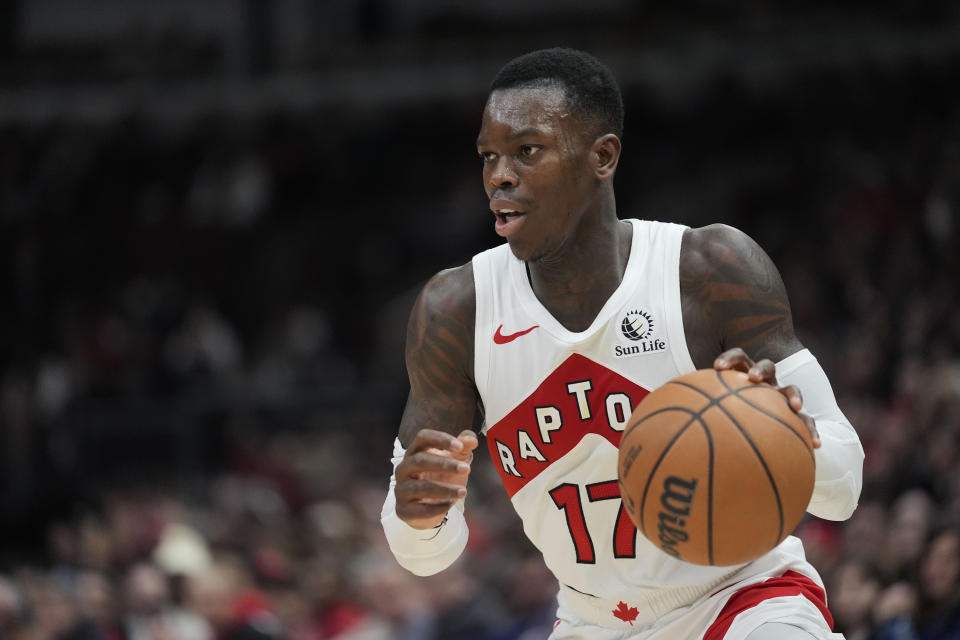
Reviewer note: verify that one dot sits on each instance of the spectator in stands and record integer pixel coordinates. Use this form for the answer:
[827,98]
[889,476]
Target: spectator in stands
[855,585]
[936,612]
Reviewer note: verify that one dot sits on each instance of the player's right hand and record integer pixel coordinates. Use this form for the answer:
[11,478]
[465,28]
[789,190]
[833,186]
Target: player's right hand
[433,476]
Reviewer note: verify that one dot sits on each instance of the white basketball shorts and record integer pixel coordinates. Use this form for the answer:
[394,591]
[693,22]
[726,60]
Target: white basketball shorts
[731,613]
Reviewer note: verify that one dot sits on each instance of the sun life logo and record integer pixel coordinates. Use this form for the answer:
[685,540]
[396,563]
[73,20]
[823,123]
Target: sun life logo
[636,325]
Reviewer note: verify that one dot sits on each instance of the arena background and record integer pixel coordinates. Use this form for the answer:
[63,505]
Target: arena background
[214,217]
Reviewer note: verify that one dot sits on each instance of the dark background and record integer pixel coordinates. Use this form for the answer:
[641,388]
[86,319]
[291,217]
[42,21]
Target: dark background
[214,217]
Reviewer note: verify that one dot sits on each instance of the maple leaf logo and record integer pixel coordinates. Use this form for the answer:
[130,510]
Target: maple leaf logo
[627,614]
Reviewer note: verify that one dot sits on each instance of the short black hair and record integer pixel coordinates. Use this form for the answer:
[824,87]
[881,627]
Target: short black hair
[591,90]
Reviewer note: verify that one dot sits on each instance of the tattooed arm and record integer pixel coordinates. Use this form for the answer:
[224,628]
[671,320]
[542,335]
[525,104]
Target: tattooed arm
[732,297]
[434,449]
[435,428]
[735,305]
[439,354]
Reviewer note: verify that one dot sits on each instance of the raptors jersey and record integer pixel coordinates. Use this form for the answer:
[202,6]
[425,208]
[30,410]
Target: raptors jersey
[556,403]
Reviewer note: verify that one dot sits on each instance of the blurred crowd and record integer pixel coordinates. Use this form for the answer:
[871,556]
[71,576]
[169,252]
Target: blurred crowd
[244,563]
[202,373]
[201,357]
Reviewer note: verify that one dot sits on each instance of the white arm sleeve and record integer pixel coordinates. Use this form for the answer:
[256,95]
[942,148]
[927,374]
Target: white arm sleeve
[422,552]
[840,456]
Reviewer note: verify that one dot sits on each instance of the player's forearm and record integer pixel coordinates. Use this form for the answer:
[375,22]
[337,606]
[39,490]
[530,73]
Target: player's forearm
[840,457]
[423,552]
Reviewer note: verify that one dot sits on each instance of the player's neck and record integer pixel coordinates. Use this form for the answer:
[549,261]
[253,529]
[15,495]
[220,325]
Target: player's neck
[574,284]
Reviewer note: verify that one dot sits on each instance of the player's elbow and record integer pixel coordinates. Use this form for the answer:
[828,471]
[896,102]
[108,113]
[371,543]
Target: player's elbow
[833,511]
[836,490]
[419,567]
[837,499]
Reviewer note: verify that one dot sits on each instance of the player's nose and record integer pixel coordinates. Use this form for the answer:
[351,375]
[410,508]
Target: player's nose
[502,175]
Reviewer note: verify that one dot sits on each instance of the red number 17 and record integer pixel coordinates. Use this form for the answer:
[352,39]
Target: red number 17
[567,497]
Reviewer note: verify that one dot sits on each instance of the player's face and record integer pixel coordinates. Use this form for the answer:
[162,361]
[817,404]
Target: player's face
[535,168]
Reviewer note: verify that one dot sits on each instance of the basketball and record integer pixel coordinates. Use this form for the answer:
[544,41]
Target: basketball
[715,469]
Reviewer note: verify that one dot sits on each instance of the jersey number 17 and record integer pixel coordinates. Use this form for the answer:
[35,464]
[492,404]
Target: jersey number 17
[567,498]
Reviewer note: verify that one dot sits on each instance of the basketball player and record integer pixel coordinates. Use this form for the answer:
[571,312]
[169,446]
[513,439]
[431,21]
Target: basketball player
[554,337]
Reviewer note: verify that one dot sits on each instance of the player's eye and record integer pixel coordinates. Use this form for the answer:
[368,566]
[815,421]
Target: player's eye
[529,150]
[487,156]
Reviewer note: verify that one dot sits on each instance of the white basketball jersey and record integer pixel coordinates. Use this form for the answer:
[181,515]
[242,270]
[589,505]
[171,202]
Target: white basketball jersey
[556,403]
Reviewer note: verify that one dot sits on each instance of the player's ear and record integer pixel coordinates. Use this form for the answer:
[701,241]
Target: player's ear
[606,150]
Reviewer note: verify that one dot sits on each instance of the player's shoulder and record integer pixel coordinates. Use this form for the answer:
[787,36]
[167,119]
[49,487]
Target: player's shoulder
[714,240]
[450,290]
[720,246]
[446,308]
[441,325]
[732,295]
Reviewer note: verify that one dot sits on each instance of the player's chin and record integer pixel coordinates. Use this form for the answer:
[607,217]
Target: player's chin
[524,250]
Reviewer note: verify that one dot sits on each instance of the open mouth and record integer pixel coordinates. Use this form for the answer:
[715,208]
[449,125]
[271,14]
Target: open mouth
[508,221]
[503,215]
[509,216]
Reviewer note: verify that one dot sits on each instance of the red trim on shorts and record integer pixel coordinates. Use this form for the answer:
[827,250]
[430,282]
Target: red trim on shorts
[790,583]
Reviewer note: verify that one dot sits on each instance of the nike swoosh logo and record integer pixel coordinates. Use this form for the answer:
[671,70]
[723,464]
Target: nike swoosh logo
[499,338]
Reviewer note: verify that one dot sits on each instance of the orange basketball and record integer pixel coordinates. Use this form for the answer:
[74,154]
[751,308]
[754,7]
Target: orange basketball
[714,469]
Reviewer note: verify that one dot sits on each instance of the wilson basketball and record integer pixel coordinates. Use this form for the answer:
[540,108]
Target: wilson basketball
[714,469]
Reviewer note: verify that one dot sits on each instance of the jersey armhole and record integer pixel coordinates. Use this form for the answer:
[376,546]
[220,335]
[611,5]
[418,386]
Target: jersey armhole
[673,303]
[481,323]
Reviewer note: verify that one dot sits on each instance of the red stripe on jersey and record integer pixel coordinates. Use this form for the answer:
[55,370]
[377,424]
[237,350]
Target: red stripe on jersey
[578,398]
[790,583]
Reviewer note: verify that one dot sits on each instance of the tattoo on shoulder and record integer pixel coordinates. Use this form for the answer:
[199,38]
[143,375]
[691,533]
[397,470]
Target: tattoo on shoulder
[731,287]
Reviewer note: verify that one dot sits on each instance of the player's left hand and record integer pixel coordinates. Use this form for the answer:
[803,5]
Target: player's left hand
[765,371]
